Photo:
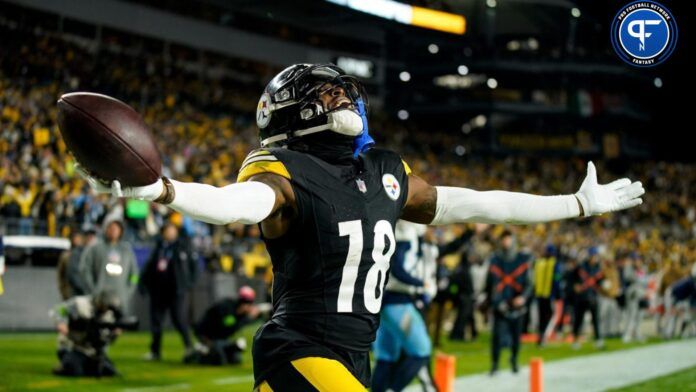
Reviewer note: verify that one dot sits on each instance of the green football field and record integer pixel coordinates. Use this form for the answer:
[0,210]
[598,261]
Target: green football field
[26,361]
[681,381]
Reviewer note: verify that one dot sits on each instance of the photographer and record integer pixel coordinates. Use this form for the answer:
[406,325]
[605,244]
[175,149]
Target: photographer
[221,321]
[86,326]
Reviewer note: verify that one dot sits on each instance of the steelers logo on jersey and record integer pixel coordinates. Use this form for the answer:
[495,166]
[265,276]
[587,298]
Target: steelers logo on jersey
[263,111]
[391,186]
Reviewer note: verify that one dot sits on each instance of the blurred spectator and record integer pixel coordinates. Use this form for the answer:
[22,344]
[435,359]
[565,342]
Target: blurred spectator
[479,257]
[586,280]
[546,287]
[461,288]
[168,275]
[678,298]
[681,307]
[441,303]
[91,237]
[70,281]
[670,273]
[24,197]
[609,314]
[510,291]
[2,260]
[636,285]
[110,264]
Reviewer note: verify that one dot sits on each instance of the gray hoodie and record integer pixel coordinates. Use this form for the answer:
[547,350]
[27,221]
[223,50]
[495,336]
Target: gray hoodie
[107,266]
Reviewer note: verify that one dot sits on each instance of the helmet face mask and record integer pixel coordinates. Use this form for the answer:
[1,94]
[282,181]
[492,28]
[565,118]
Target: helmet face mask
[291,105]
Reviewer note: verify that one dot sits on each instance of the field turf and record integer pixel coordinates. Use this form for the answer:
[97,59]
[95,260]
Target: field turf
[26,360]
[681,381]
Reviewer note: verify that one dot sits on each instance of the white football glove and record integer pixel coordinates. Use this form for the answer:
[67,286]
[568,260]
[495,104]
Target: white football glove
[619,195]
[147,192]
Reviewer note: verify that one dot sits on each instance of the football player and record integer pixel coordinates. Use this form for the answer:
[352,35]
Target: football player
[327,203]
[402,347]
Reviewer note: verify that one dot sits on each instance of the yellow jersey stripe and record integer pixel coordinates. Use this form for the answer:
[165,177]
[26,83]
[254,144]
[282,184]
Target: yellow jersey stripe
[258,167]
[327,374]
[254,154]
[407,168]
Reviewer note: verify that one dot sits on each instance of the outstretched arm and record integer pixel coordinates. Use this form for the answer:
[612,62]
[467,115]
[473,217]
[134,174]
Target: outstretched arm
[444,205]
[248,202]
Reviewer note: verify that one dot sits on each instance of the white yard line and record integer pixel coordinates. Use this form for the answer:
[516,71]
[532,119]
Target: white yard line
[233,380]
[171,387]
[179,387]
[597,372]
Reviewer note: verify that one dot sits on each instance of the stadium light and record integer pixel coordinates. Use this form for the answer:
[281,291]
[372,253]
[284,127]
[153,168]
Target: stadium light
[460,150]
[433,48]
[402,114]
[357,67]
[575,12]
[658,82]
[480,121]
[491,3]
[492,83]
[456,82]
[407,14]
[463,70]
[405,76]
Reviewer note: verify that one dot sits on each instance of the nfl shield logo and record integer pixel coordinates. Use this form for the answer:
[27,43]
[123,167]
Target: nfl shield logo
[361,185]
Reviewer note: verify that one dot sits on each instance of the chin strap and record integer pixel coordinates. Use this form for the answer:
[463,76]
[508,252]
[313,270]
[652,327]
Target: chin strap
[302,132]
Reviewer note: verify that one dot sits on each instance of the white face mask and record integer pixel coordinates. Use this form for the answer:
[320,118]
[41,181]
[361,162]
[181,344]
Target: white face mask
[346,122]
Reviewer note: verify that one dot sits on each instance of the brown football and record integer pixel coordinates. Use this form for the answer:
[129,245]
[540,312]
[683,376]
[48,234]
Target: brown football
[109,139]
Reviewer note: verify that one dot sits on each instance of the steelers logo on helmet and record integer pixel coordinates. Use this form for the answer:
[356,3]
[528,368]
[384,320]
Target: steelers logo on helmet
[391,186]
[644,33]
[263,111]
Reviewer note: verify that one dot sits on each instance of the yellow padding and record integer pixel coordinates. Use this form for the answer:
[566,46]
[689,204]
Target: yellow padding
[259,167]
[327,375]
[264,387]
[407,168]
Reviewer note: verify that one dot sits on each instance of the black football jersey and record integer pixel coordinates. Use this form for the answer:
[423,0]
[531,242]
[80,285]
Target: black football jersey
[331,266]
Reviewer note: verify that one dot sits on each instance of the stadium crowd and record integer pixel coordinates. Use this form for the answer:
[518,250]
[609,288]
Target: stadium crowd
[204,126]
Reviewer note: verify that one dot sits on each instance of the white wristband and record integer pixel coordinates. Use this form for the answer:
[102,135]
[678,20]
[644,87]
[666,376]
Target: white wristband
[457,205]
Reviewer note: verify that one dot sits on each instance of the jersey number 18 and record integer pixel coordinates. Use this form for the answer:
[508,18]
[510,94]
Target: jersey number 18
[372,296]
